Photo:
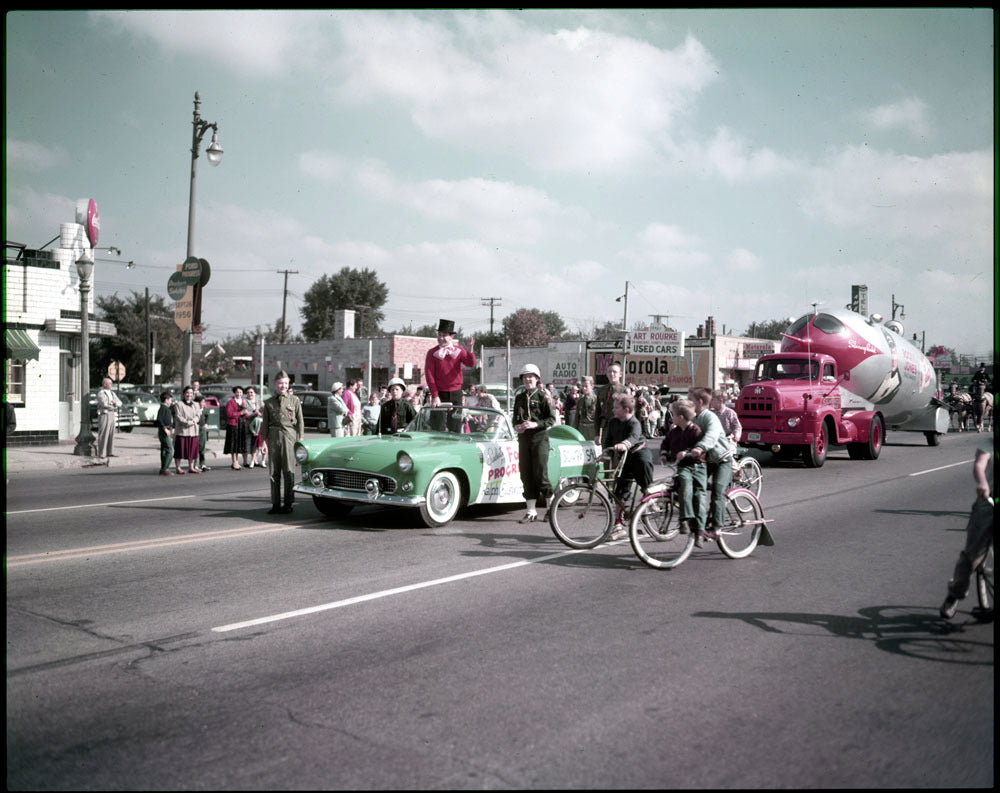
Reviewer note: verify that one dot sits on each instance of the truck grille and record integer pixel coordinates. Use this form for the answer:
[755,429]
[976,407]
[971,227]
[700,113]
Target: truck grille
[761,405]
[345,479]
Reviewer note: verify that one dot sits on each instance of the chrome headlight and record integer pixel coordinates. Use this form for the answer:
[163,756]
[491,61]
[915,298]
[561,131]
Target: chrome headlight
[793,422]
[301,454]
[317,479]
[404,462]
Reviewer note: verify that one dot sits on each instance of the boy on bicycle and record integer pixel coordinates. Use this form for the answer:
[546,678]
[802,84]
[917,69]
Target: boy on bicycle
[713,448]
[680,437]
[624,435]
[978,532]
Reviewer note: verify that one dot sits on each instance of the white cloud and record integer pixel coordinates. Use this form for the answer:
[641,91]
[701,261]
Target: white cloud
[250,42]
[577,100]
[909,115]
[905,196]
[744,261]
[322,165]
[30,156]
[670,248]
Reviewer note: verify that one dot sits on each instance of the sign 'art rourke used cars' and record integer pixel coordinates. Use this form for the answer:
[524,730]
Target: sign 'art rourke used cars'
[446,458]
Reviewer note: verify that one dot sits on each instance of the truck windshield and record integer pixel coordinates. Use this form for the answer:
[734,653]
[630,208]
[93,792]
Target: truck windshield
[793,369]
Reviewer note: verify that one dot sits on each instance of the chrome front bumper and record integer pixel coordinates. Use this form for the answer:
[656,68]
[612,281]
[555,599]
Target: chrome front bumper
[371,497]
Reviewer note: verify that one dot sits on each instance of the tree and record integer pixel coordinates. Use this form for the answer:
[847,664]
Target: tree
[526,328]
[129,346]
[769,329]
[350,289]
[554,326]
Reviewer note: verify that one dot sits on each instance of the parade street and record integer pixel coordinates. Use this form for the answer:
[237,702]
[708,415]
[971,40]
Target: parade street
[167,633]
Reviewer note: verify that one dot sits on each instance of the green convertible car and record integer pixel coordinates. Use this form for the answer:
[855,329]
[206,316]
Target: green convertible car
[446,458]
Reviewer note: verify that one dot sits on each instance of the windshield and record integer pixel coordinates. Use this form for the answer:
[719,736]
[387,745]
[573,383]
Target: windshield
[794,369]
[458,420]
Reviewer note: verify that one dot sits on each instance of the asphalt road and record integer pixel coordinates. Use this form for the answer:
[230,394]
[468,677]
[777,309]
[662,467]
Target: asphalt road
[168,633]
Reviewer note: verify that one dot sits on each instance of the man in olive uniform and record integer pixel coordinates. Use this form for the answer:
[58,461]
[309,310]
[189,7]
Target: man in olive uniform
[532,417]
[606,400]
[283,425]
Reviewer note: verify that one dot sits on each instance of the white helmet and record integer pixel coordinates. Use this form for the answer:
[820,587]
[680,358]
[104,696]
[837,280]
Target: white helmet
[530,368]
[397,381]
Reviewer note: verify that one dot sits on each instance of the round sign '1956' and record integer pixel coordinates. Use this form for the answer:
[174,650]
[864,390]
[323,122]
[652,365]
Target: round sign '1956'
[87,215]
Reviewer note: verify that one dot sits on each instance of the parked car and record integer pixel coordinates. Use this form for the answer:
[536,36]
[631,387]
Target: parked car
[146,405]
[447,457]
[127,417]
[314,408]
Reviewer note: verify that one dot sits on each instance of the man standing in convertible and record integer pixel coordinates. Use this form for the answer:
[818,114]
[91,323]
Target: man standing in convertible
[443,366]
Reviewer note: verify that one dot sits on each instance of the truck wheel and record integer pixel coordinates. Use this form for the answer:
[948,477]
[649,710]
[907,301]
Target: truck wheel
[871,449]
[933,438]
[815,453]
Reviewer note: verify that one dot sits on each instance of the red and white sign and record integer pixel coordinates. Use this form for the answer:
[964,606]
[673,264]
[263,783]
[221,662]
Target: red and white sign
[88,216]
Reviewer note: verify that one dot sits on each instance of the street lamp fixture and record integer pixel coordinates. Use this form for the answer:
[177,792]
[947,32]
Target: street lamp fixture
[85,439]
[214,154]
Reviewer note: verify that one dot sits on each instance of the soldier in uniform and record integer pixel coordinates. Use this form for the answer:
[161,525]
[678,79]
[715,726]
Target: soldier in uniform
[532,417]
[283,425]
[606,400]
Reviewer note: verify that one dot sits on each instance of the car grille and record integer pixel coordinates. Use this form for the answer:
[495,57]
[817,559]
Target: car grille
[344,479]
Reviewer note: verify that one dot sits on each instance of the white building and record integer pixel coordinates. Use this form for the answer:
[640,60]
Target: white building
[42,338]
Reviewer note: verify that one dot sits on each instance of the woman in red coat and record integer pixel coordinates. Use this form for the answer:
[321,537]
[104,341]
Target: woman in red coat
[237,434]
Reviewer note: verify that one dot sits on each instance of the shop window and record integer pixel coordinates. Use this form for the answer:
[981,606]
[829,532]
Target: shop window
[15,382]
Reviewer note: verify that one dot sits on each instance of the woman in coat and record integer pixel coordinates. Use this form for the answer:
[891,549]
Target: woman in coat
[187,414]
[237,433]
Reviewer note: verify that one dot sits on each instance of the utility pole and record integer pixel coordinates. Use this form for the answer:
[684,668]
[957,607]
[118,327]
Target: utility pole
[491,302]
[284,300]
[149,344]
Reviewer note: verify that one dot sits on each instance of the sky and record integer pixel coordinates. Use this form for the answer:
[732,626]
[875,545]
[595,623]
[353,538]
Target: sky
[736,164]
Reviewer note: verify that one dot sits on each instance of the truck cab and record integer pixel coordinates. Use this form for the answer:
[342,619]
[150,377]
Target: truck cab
[796,404]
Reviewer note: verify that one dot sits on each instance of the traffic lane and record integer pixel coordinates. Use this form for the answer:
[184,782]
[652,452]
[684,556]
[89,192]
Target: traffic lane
[209,549]
[565,675]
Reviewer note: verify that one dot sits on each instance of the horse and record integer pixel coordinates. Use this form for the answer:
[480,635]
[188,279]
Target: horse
[982,411]
[960,408]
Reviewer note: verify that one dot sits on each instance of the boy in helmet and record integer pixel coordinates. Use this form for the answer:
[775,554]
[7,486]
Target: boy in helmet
[398,411]
[532,417]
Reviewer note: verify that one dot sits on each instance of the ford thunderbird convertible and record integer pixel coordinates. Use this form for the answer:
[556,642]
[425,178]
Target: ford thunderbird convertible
[446,458]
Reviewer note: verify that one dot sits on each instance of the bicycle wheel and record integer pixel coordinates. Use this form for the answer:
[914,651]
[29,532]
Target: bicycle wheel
[655,534]
[741,533]
[748,474]
[984,583]
[581,516]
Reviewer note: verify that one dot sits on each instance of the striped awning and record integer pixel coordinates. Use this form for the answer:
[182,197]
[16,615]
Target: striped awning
[18,346]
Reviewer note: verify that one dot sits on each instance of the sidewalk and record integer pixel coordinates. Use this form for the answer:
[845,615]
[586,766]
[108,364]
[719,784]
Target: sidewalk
[137,448]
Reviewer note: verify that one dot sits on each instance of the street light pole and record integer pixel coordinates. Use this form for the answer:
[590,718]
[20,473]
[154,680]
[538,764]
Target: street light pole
[214,154]
[85,440]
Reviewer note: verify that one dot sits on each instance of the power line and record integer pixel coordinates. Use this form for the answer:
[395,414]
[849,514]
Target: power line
[491,302]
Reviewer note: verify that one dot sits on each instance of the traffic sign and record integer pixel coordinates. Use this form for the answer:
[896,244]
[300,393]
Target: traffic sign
[177,286]
[191,270]
[116,371]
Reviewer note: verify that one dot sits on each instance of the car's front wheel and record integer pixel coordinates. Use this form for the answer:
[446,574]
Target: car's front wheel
[442,499]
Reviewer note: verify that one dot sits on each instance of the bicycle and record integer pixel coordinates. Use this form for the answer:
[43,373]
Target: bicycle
[582,512]
[984,587]
[656,536]
[747,473]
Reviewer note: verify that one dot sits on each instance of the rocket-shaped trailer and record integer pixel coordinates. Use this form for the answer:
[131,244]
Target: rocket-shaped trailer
[840,379]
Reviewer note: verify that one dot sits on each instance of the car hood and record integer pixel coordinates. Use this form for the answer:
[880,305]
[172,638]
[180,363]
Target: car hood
[376,450]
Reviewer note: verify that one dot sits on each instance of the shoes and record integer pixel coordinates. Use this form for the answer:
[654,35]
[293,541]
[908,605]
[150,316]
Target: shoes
[618,531]
[684,528]
[275,510]
[286,510]
[531,517]
[698,541]
[205,468]
[236,468]
[179,472]
[194,470]
[166,473]
[949,607]
[711,534]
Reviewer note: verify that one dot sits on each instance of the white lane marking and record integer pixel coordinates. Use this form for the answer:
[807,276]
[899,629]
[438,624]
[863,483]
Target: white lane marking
[387,593]
[103,504]
[939,468]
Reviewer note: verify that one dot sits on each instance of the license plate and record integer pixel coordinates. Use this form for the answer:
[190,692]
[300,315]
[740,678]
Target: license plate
[753,436]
